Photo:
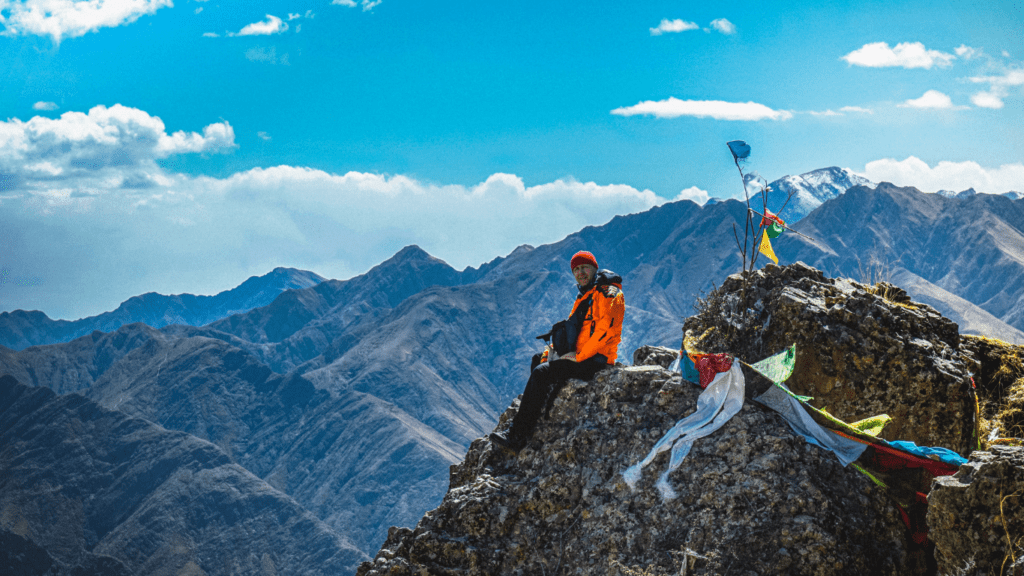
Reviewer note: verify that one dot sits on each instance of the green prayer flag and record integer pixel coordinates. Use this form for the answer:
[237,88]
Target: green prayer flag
[872,426]
[774,230]
[778,368]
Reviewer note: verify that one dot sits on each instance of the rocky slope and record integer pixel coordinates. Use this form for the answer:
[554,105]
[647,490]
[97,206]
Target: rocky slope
[359,463]
[83,482]
[753,498]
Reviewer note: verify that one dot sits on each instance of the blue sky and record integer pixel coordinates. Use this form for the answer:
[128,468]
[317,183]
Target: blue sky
[177,147]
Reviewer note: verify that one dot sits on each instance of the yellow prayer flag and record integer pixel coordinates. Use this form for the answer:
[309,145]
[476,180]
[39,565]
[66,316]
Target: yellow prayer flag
[766,248]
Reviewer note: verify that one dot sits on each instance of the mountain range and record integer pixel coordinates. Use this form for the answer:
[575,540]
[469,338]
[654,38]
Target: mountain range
[20,329]
[355,397]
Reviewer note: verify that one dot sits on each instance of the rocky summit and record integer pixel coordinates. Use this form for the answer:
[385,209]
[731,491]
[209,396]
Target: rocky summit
[752,497]
[861,350]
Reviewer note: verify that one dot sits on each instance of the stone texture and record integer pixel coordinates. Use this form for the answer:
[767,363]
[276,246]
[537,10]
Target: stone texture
[976,516]
[753,498]
[999,376]
[654,356]
[861,350]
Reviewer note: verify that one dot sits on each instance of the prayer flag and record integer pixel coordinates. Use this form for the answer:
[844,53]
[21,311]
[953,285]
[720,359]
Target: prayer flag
[773,224]
[766,248]
[777,368]
[739,149]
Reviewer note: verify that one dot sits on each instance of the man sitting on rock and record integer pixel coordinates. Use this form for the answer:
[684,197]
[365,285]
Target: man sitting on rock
[580,347]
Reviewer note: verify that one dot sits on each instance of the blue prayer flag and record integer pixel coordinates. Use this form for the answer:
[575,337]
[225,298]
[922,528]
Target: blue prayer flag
[739,149]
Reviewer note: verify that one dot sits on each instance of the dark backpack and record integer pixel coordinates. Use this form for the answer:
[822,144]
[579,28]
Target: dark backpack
[565,333]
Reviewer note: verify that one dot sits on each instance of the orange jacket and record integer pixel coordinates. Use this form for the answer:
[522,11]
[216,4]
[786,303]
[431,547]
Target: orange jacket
[602,327]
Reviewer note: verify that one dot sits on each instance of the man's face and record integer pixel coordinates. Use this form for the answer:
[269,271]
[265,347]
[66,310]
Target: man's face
[584,274]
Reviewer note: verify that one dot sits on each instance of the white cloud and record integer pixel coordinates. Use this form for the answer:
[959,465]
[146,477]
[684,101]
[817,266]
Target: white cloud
[676,25]
[856,109]
[723,26]
[107,242]
[45,106]
[932,100]
[966,52]
[991,99]
[999,87]
[946,175]
[719,110]
[829,112]
[198,10]
[272,25]
[211,35]
[293,16]
[905,54]
[263,136]
[106,148]
[1011,77]
[694,194]
[367,4]
[72,18]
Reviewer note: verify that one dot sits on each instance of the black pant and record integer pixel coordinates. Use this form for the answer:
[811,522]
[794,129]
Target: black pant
[546,380]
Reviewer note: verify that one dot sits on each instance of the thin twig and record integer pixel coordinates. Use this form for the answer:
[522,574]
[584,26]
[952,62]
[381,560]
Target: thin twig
[747,228]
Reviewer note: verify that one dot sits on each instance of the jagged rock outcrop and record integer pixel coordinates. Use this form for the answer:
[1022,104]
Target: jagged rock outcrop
[999,376]
[752,497]
[84,483]
[976,516]
[861,350]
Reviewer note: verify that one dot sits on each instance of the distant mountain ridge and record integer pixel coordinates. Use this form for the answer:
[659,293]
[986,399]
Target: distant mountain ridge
[20,329]
[354,396]
[809,190]
[971,247]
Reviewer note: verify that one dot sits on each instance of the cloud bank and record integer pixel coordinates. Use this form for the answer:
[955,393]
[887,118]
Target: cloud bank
[717,109]
[954,176]
[92,219]
[60,19]
[88,154]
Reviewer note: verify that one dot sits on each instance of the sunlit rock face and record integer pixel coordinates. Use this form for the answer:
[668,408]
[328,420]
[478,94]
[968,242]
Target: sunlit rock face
[976,516]
[750,498]
[861,350]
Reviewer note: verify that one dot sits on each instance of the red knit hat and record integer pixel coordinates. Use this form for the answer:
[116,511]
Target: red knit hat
[582,257]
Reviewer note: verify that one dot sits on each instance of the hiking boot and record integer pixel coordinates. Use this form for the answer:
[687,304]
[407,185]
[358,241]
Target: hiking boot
[507,443]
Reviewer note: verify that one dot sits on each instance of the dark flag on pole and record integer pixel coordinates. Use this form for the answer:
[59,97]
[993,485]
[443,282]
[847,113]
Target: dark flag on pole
[739,149]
